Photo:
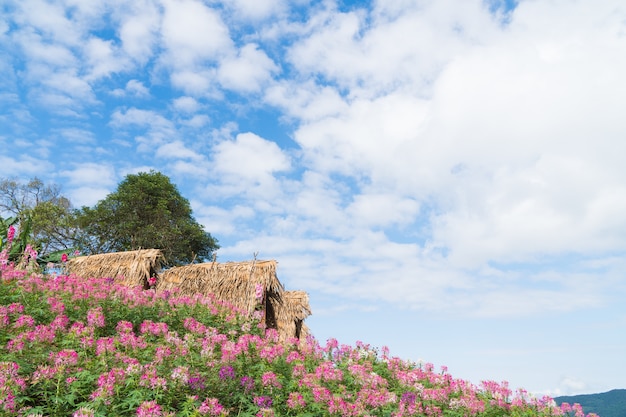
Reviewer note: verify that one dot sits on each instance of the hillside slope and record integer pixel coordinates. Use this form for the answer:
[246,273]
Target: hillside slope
[606,404]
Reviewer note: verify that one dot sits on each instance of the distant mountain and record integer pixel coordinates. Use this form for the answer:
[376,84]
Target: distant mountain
[606,404]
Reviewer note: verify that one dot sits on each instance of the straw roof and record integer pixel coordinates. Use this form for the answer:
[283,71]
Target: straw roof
[234,282]
[132,268]
[291,313]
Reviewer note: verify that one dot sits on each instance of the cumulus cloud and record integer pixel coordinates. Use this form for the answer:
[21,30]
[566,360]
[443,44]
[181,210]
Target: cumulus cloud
[87,183]
[177,150]
[247,166]
[255,9]
[193,33]
[250,157]
[159,129]
[24,164]
[139,29]
[366,138]
[134,88]
[247,71]
[186,104]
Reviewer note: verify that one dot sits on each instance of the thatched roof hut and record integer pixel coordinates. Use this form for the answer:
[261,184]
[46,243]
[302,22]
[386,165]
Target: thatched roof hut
[233,282]
[291,314]
[132,268]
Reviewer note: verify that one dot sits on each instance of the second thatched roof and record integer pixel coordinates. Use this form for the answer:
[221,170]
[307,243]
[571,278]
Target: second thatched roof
[233,282]
[291,313]
[131,268]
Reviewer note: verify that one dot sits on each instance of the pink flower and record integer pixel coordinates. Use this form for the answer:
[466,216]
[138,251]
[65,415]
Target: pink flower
[95,317]
[258,292]
[149,409]
[24,321]
[152,281]
[64,258]
[269,379]
[10,234]
[212,407]
[66,357]
[295,400]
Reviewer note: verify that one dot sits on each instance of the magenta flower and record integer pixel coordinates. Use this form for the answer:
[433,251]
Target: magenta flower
[196,383]
[263,401]
[10,234]
[227,372]
[247,383]
[64,258]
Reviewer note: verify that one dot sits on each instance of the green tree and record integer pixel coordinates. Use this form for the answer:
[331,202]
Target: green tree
[41,209]
[146,211]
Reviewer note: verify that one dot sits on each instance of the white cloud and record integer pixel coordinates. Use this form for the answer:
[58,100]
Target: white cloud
[134,88]
[69,85]
[197,121]
[23,164]
[246,169]
[88,182]
[177,150]
[356,52]
[89,173]
[139,29]
[186,104]
[196,83]
[183,168]
[221,222]
[39,51]
[87,195]
[250,158]
[306,100]
[50,19]
[247,71]
[382,210]
[193,33]
[77,135]
[255,9]
[365,139]
[159,128]
[103,58]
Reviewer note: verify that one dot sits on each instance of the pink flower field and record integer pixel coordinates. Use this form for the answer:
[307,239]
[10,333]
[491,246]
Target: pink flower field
[82,347]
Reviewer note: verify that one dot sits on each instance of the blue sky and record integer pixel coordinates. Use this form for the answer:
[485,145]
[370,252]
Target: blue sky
[445,178]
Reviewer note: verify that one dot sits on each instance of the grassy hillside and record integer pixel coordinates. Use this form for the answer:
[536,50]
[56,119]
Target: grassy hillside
[73,346]
[606,404]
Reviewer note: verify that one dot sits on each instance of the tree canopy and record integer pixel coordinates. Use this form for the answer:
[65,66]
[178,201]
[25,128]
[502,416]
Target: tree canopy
[42,209]
[145,211]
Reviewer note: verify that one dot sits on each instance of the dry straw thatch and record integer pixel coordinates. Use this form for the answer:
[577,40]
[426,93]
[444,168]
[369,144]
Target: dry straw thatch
[291,314]
[132,268]
[236,282]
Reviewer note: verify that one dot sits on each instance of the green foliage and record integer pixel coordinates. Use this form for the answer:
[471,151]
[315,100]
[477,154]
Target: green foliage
[146,211]
[52,222]
[18,243]
[54,226]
